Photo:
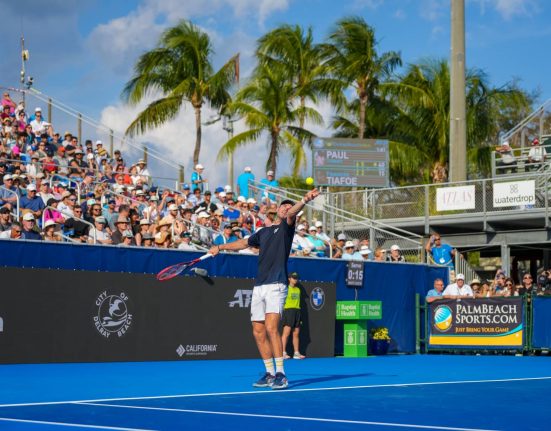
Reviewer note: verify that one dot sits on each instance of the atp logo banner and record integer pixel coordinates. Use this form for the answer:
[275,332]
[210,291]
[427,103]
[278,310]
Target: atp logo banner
[482,322]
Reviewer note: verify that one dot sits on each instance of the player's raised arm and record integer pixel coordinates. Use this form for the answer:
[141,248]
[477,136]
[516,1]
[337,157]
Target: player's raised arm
[296,208]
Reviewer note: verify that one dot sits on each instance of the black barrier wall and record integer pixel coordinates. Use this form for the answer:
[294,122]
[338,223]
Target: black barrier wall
[82,316]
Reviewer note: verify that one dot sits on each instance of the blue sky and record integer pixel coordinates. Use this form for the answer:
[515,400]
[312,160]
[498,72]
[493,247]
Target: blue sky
[82,52]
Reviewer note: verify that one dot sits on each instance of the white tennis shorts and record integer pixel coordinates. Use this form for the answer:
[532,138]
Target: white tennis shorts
[267,298]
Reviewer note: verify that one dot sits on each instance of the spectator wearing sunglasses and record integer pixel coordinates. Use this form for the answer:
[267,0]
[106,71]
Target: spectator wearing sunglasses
[527,287]
[13,233]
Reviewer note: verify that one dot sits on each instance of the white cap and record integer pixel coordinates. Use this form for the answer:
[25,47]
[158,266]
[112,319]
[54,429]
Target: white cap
[241,199]
[90,156]
[311,228]
[319,224]
[248,169]
[38,109]
[395,247]
[251,201]
[341,237]
[49,223]
[506,144]
[144,222]
[98,142]
[348,244]
[270,173]
[460,277]
[31,187]
[203,214]
[301,227]
[222,194]
[364,250]
[90,202]
[28,216]
[173,207]
[227,188]
[199,166]
[8,177]
[140,193]
[141,161]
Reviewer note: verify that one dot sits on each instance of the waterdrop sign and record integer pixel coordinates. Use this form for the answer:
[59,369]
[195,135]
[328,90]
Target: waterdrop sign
[515,193]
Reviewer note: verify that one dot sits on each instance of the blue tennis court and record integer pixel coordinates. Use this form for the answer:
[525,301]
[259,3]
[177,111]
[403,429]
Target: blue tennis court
[377,393]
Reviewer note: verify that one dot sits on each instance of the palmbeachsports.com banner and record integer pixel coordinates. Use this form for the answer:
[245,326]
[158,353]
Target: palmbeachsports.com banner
[482,322]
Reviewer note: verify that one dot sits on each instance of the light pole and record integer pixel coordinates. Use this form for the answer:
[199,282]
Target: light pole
[458,128]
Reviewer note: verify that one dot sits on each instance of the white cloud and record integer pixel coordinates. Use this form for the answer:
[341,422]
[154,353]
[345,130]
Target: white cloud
[433,10]
[400,14]
[510,8]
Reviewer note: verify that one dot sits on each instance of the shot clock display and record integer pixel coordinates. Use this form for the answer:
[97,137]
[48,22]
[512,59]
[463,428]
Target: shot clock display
[350,162]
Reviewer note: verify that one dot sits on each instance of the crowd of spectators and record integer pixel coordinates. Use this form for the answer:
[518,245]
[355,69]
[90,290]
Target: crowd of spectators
[499,286]
[68,190]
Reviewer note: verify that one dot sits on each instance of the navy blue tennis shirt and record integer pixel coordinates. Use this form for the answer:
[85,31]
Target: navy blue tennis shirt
[275,245]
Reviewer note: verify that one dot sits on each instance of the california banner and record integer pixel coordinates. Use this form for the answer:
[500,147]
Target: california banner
[484,322]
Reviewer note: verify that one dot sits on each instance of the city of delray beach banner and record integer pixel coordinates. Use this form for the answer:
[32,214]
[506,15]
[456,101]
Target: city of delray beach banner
[490,322]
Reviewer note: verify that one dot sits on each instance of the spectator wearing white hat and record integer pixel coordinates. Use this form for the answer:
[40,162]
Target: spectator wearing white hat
[319,248]
[201,232]
[7,198]
[197,180]
[458,289]
[349,252]
[243,181]
[100,231]
[143,172]
[395,254]
[366,252]
[320,233]
[32,202]
[507,159]
[29,230]
[50,231]
[266,184]
[38,124]
[145,227]
[300,241]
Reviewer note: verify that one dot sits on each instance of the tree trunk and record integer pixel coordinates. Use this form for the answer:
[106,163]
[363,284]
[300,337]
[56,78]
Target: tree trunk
[273,152]
[197,135]
[363,105]
[302,105]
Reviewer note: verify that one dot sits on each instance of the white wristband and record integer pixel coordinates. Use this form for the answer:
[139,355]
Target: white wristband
[303,201]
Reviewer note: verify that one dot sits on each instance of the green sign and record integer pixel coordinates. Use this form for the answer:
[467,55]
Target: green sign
[359,310]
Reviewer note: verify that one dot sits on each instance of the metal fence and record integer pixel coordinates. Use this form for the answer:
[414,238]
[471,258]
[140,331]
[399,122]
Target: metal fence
[340,218]
[420,201]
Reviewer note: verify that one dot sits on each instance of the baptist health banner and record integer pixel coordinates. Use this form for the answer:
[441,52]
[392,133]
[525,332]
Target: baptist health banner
[481,322]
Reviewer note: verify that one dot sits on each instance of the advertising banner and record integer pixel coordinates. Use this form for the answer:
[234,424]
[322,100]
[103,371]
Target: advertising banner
[481,322]
[515,193]
[82,316]
[455,198]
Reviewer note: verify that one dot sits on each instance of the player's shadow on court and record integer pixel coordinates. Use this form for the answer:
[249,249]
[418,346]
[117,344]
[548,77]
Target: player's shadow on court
[326,378]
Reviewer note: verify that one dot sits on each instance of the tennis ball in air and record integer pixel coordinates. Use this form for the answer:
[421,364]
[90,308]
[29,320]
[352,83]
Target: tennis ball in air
[309,181]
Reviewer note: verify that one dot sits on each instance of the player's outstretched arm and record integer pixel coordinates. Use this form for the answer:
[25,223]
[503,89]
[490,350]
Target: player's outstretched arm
[295,209]
[240,244]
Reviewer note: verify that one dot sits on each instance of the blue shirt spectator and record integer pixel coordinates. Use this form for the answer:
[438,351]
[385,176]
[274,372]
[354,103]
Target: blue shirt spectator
[197,180]
[266,184]
[226,236]
[243,182]
[442,254]
[436,292]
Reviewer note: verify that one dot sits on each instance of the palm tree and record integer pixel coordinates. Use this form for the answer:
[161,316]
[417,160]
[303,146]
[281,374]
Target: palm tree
[352,56]
[292,50]
[422,97]
[265,104]
[180,70]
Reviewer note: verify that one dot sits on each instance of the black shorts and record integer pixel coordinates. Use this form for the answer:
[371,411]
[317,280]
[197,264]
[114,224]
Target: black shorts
[291,317]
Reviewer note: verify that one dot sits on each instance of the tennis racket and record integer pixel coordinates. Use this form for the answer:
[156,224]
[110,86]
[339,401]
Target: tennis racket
[174,270]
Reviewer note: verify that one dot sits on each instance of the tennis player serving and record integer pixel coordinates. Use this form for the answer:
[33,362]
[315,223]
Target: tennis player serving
[270,289]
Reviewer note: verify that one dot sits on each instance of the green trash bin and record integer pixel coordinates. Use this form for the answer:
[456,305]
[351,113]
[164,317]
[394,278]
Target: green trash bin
[355,314]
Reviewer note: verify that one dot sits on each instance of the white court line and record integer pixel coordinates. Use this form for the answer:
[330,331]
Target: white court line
[298,418]
[65,424]
[257,392]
